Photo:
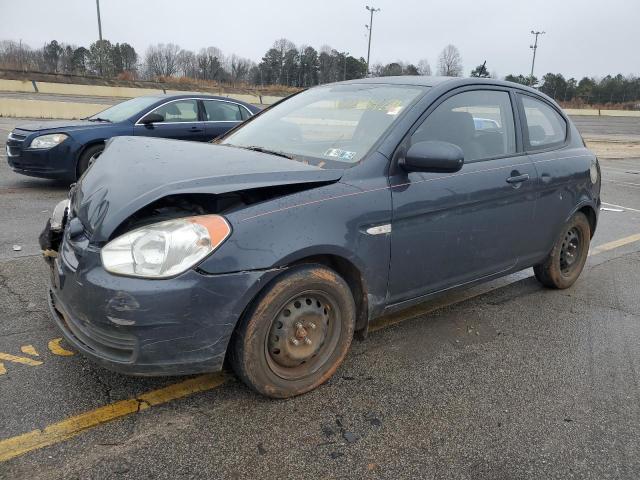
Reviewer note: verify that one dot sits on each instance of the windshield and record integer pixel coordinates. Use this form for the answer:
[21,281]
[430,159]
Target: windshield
[125,110]
[335,123]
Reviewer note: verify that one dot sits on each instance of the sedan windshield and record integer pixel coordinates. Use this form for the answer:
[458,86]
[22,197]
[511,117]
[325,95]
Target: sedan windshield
[336,123]
[124,110]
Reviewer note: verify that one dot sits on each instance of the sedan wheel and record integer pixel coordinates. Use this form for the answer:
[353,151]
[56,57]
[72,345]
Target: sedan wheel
[297,333]
[563,265]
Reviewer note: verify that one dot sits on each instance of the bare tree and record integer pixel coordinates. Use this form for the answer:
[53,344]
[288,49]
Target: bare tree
[423,67]
[450,62]
[239,68]
[161,60]
[187,64]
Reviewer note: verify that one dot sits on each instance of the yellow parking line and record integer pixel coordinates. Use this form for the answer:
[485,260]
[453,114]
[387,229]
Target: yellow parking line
[24,360]
[615,244]
[57,349]
[70,427]
[58,432]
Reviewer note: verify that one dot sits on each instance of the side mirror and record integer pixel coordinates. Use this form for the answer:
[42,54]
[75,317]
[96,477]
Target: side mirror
[152,117]
[433,156]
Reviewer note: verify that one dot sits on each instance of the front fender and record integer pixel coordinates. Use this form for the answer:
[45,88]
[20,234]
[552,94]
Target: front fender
[329,220]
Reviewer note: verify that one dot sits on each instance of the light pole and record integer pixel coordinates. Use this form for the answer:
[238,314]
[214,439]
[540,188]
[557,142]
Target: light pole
[372,10]
[99,22]
[346,55]
[534,47]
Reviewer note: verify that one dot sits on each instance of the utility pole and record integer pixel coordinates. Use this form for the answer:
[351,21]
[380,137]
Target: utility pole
[346,55]
[372,10]
[99,22]
[534,47]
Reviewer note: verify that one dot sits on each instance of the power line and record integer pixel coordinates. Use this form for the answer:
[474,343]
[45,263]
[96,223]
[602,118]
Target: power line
[370,28]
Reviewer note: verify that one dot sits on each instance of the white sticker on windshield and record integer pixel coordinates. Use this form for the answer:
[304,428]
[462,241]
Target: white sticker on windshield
[394,110]
[339,153]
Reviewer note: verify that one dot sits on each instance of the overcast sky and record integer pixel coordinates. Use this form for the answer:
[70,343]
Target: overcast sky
[584,37]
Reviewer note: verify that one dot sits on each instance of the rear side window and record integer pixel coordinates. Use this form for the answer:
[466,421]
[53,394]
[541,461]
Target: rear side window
[216,111]
[244,113]
[480,122]
[545,126]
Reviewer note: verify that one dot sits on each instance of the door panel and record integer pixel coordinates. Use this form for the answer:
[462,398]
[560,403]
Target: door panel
[452,228]
[181,122]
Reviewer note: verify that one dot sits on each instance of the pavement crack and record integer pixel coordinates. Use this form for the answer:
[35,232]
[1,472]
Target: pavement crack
[106,388]
[17,293]
[142,402]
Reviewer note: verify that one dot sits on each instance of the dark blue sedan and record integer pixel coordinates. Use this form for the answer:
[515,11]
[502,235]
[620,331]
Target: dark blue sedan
[294,231]
[63,150]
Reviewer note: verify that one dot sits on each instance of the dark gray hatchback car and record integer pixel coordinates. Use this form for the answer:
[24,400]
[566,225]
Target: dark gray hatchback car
[340,204]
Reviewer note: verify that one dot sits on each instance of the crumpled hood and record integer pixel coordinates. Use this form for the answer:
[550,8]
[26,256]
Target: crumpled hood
[133,172]
[58,125]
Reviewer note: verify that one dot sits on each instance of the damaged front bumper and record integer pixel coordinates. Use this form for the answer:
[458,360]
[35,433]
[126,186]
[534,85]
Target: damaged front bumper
[148,327]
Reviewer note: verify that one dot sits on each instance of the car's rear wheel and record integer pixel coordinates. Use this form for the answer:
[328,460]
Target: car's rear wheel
[563,265]
[89,156]
[296,334]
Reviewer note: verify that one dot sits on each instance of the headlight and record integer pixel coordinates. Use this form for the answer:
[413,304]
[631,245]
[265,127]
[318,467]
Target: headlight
[48,141]
[165,249]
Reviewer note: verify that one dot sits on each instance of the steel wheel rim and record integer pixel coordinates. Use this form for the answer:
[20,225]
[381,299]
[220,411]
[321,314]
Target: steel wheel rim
[93,158]
[300,342]
[570,251]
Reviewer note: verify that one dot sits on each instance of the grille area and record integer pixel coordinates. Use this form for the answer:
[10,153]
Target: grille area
[107,343]
[15,142]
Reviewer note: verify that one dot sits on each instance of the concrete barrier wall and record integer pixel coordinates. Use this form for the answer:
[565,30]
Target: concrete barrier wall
[95,90]
[601,113]
[28,86]
[15,107]
[22,86]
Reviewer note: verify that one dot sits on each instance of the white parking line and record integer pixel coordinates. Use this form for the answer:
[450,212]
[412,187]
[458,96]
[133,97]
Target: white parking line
[629,184]
[622,170]
[621,206]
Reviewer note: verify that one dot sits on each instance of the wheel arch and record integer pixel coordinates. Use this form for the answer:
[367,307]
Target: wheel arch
[590,213]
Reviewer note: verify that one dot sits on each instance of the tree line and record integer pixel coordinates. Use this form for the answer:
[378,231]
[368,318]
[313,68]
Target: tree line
[284,64]
[611,89]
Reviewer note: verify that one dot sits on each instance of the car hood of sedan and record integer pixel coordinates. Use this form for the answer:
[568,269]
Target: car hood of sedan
[46,125]
[133,172]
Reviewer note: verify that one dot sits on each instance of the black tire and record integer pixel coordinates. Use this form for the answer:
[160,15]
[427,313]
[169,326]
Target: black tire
[278,359]
[88,156]
[563,265]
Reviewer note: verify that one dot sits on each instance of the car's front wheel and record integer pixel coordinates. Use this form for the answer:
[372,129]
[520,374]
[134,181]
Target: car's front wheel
[296,334]
[563,265]
[89,156]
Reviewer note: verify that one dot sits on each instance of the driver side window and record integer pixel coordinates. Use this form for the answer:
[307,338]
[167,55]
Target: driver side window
[480,122]
[179,111]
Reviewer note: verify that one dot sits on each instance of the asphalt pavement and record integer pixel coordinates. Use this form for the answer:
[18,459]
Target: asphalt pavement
[509,380]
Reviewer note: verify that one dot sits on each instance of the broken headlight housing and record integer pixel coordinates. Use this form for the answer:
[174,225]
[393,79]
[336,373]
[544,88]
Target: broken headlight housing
[165,249]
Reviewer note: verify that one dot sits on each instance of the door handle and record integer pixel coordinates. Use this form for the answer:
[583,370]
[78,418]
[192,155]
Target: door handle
[518,179]
[196,129]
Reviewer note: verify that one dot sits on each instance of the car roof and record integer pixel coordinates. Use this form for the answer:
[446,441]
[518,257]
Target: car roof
[203,96]
[433,81]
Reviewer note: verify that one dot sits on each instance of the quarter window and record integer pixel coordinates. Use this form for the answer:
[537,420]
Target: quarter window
[216,111]
[179,111]
[545,126]
[480,122]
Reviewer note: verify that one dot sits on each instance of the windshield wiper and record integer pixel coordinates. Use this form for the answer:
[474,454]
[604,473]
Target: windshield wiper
[270,152]
[99,119]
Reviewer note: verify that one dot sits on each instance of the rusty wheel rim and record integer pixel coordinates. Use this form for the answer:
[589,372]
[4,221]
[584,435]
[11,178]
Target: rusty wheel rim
[570,251]
[303,335]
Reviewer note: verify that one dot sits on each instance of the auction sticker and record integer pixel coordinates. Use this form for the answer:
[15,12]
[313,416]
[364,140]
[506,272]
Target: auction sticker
[339,153]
